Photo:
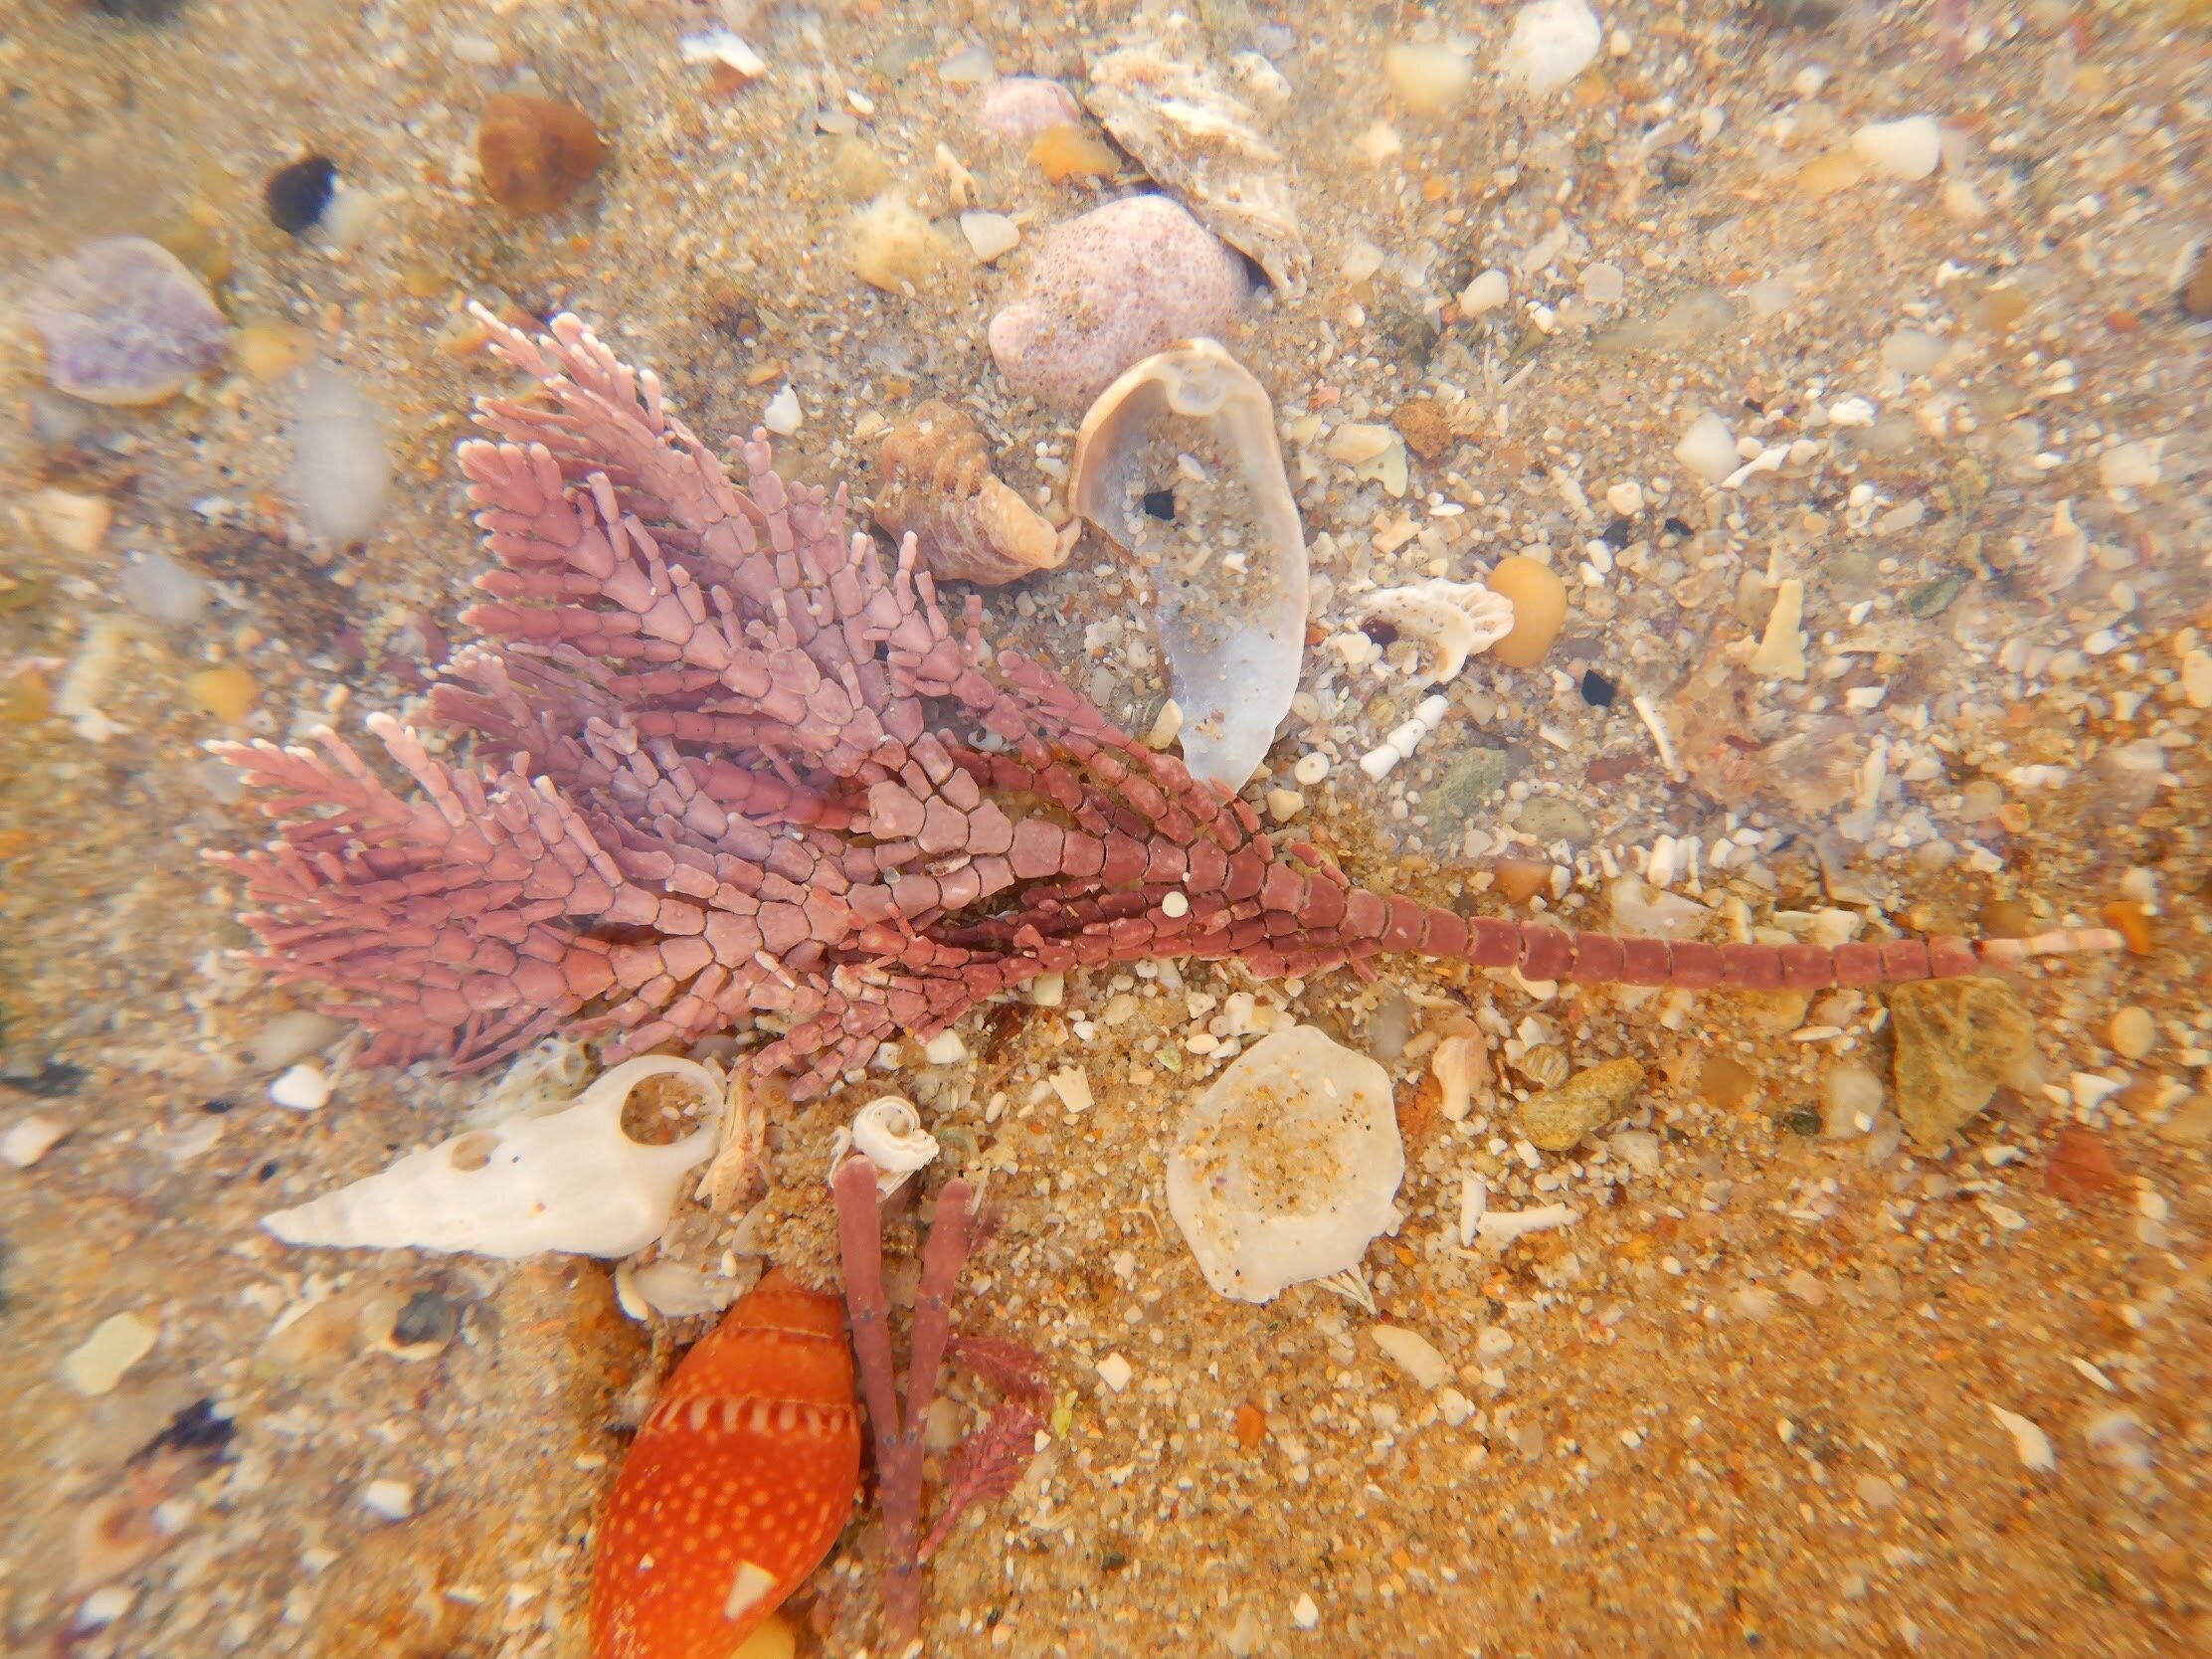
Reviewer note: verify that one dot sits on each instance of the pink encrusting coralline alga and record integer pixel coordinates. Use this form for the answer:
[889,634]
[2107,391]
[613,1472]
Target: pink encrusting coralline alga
[708,792]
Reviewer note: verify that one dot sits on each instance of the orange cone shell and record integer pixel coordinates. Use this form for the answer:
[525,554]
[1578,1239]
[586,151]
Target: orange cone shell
[737,1485]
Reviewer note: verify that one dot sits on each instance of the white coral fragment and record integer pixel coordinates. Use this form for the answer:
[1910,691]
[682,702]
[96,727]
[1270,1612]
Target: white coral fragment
[571,1180]
[1405,738]
[1288,1167]
[1456,619]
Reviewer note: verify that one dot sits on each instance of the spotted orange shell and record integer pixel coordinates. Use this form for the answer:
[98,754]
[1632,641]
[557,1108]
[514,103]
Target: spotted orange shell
[737,1485]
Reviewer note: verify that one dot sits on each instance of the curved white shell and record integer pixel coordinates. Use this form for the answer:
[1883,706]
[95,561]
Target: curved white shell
[1288,1167]
[568,1180]
[1230,613]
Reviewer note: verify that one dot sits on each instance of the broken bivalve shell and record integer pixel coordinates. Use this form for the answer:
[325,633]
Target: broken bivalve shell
[1170,109]
[570,1181]
[1455,620]
[1178,463]
[1288,1167]
[935,484]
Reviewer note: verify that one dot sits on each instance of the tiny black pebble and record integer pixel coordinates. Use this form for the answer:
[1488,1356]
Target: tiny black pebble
[1161,504]
[215,1107]
[1619,534]
[1755,406]
[268,1171]
[1598,691]
[1113,1560]
[296,195]
[1675,527]
[1803,1121]
[195,1428]
[427,1317]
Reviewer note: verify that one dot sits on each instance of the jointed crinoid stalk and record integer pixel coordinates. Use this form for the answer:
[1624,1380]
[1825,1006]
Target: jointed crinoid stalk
[709,793]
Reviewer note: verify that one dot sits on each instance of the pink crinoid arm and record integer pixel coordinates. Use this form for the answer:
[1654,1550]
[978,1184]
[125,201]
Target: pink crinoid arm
[695,786]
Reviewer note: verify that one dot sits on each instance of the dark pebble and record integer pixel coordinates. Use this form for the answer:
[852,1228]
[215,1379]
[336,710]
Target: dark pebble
[1161,504]
[196,1428]
[1619,534]
[50,1083]
[1803,1121]
[1598,691]
[139,11]
[296,195]
[427,1317]
[1675,527]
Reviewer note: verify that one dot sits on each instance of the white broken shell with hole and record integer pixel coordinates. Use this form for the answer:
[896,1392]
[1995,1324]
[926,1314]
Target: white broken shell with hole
[569,1181]
[888,1133]
[1288,1167]
[1455,620]
[1178,463]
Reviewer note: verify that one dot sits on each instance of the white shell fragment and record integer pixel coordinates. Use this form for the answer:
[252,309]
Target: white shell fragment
[1553,41]
[888,1133]
[1229,568]
[1503,1226]
[29,1139]
[1288,1167]
[1907,149]
[571,1180]
[2032,1445]
[341,463]
[1455,619]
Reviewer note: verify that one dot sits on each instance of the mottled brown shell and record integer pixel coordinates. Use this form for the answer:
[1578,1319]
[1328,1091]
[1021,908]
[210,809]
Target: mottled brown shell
[934,480]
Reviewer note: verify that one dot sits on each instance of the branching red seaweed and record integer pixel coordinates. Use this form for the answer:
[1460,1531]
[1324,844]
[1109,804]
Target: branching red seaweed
[707,792]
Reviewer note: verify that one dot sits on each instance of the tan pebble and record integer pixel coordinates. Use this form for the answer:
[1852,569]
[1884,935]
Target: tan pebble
[117,1344]
[1558,1118]
[1725,1082]
[228,692]
[534,153]
[2196,678]
[1517,880]
[1428,78]
[1539,610]
[1998,309]
[1422,425]
[77,523]
[1956,1042]
[1283,805]
[892,247]
[1829,174]
[2196,290]
[1066,151]
[2190,1123]
[2134,1033]
[857,170]
[268,350]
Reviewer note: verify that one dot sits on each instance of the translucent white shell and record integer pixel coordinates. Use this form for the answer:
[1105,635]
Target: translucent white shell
[1229,568]
[1288,1167]
[569,1181]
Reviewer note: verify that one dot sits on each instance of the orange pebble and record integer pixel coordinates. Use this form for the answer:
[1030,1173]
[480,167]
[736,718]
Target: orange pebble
[2131,922]
[1251,1426]
[736,1487]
